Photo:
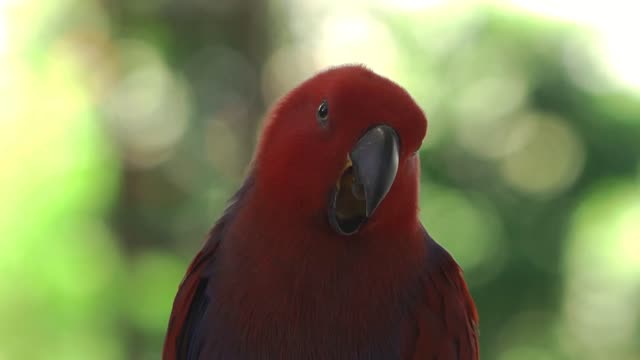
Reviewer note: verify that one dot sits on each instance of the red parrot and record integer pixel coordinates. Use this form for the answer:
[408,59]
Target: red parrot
[320,254]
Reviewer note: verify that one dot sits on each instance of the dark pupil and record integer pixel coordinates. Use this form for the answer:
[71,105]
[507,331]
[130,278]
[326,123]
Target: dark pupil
[323,110]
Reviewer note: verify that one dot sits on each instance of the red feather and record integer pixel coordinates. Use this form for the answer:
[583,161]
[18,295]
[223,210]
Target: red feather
[183,301]
[176,338]
[447,320]
[275,281]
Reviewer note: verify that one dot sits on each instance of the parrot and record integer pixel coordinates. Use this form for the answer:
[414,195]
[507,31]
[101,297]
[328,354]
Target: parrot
[321,254]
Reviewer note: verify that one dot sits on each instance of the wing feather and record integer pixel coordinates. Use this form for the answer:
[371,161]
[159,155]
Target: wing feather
[185,333]
[447,320]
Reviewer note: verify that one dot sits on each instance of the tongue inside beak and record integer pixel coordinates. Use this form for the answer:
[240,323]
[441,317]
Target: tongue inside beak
[350,204]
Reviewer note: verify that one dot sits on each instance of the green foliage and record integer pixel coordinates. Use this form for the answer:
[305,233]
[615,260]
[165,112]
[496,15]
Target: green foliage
[123,136]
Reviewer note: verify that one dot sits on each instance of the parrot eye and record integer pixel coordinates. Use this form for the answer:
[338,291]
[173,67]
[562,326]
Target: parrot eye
[322,115]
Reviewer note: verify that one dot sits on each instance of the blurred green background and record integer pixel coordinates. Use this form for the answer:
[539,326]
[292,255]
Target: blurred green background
[125,126]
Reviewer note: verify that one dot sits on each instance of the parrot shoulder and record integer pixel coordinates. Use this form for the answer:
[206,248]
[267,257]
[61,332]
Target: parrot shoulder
[447,318]
[184,333]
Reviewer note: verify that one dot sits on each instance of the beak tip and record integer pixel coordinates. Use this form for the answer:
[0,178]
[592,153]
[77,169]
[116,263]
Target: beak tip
[375,159]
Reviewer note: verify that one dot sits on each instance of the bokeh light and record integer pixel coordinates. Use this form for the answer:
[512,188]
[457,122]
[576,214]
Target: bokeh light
[147,108]
[548,158]
[603,272]
[478,245]
[126,126]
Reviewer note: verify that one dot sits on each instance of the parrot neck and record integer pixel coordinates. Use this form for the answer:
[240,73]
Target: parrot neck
[289,278]
[265,230]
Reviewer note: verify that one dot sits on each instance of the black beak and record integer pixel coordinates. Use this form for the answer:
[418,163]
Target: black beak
[366,180]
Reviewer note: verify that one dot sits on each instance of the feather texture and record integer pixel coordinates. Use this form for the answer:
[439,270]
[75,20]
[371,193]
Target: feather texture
[447,318]
[436,319]
[275,281]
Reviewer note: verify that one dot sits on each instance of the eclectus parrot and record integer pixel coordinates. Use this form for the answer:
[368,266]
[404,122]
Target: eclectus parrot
[320,254]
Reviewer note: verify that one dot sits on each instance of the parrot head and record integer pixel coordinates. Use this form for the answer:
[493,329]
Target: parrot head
[340,150]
